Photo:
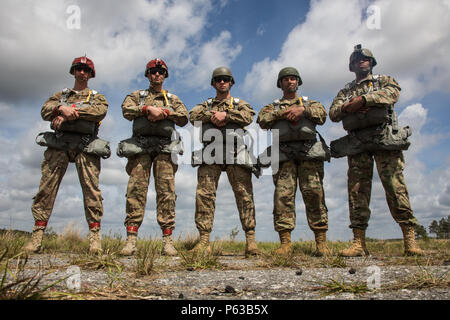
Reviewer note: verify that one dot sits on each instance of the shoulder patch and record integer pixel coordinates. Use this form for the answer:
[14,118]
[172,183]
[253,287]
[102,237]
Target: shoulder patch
[304,98]
[169,95]
[66,90]
[236,100]
[94,92]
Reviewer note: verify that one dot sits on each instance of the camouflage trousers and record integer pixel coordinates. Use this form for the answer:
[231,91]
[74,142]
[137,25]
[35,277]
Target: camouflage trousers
[390,165]
[54,167]
[241,182]
[138,168]
[310,179]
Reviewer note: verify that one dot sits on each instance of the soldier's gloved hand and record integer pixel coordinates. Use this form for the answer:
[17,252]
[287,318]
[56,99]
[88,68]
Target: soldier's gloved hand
[294,113]
[69,113]
[57,122]
[354,105]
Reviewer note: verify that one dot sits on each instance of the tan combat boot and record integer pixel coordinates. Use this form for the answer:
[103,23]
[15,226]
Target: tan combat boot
[285,240]
[358,247]
[203,244]
[409,239]
[321,243]
[251,248]
[34,245]
[130,246]
[168,248]
[95,243]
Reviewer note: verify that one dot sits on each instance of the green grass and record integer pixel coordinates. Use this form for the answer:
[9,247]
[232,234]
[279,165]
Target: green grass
[71,241]
[149,262]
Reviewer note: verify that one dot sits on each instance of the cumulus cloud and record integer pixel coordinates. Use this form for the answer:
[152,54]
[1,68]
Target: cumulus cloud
[120,39]
[320,48]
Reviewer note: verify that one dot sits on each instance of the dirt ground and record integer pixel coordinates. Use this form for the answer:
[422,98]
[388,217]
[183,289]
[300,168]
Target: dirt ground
[241,279]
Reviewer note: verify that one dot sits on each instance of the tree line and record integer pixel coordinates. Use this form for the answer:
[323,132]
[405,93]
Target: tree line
[441,229]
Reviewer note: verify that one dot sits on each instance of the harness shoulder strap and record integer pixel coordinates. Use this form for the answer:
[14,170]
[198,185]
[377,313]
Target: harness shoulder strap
[209,103]
[276,104]
[65,94]
[142,95]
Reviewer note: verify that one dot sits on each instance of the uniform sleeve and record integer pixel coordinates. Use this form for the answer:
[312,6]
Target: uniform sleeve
[315,112]
[49,106]
[130,107]
[267,116]
[387,95]
[96,111]
[200,113]
[180,113]
[242,115]
[336,113]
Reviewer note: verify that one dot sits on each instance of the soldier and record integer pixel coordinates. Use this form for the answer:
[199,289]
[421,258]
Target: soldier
[230,116]
[154,113]
[75,115]
[296,118]
[366,108]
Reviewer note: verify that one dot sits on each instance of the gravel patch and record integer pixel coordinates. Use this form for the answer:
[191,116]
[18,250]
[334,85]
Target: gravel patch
[243,279]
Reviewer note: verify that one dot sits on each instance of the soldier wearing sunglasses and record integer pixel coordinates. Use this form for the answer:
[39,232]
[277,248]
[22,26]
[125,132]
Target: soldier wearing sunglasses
[229,116]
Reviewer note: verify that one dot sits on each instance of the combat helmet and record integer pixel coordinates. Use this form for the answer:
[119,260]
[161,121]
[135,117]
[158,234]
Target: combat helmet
[358,52]
[288,71]
[156,63]
[82,61]
[222,71]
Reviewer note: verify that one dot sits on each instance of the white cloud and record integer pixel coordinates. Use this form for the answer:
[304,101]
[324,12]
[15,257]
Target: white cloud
[409,46]
[120,38]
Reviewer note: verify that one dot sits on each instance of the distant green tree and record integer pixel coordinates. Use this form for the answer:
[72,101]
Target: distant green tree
[434,228]
[444,227]
[421,232]
[441,229]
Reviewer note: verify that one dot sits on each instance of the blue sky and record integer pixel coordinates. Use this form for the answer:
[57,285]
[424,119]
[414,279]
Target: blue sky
[255,39]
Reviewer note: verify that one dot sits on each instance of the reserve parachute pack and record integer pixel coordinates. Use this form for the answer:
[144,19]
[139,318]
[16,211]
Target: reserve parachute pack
[78,135]
[297,141]
[151,137]
[375,130]
[78,125]
[233,147]
[296,150]
[303,129]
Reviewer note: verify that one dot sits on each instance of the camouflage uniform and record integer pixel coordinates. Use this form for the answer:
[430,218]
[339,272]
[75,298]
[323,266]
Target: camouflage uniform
[390,164]
[138,167]
[308,172]
[55,164]
[208,175]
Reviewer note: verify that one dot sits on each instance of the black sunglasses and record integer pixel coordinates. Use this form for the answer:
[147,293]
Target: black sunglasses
[82,68]
[161,71]
[222,78]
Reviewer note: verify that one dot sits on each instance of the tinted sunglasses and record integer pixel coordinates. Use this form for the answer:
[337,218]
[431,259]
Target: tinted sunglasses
[83,68]
[222,78]
[161,71]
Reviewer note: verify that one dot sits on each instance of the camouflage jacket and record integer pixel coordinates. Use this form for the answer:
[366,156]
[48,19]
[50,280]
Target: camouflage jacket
[239,111]
[314,111]
[132,108]
[377,90]
[95,111]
